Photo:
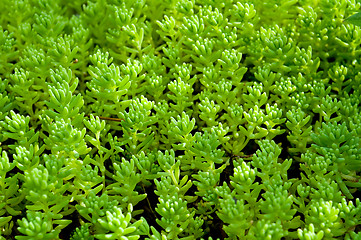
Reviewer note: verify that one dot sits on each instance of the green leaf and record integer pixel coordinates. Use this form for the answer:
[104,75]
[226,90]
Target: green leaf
[354,19]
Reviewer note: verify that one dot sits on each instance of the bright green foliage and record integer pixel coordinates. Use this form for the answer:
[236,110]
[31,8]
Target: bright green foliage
[25,159]
[180,131]
[8,52]
[119,225]
[206,183]
[126,179]
[266,159]
[17,128]
[138,134]
[5,103]
[64,139]
[82,233]
[180,119]
[342,148]
[107,85]
[10,196]
[94,207]
[37,225]
[299,125]
[62,103]
[327,216]
[275,203]
[24,90]
[310,233]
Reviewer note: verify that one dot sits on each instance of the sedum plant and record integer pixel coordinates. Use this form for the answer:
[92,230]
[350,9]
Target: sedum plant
[180,119]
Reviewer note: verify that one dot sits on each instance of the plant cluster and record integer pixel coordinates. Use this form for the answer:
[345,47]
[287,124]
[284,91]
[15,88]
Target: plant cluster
[180,119]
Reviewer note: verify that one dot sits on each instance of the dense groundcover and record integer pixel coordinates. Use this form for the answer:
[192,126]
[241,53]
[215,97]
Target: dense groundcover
[179,119]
